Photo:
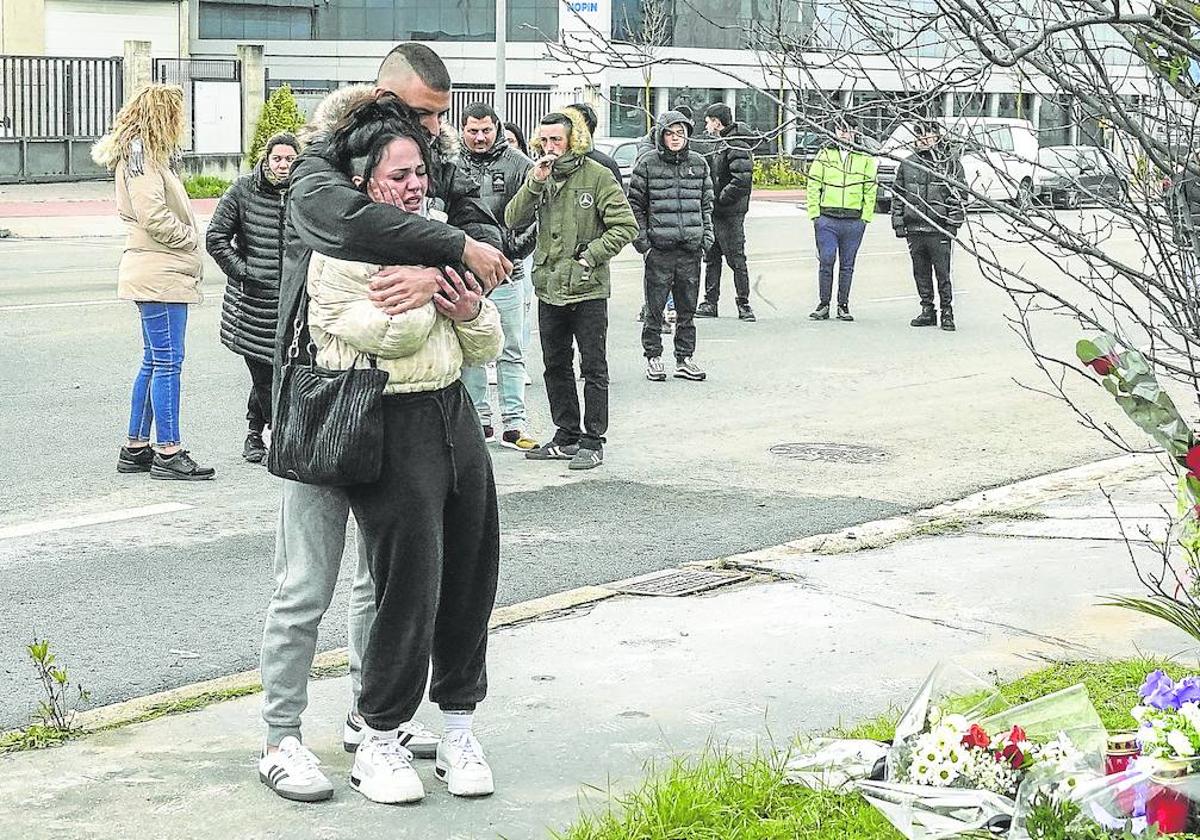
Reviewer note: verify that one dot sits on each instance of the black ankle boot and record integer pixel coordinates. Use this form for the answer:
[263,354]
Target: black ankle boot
[927,318]
[948,319]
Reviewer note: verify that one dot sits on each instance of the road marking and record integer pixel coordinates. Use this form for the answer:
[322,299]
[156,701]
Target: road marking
[30,528]
[26,307]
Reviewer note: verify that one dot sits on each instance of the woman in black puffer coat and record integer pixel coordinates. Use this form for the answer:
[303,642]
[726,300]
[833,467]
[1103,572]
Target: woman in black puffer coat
[245,238]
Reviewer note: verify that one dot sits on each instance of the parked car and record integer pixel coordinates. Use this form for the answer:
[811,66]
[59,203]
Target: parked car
[999,154]
[1069,176]
[621,149]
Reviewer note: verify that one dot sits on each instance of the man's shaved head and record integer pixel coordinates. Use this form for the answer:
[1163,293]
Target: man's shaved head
[411,59]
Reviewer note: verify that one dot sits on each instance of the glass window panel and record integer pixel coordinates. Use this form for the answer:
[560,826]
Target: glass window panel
[626,112]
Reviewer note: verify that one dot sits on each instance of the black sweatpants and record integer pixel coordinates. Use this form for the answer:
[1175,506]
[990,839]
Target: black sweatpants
[671,273]
[433,535]
[730,233]
[562,328]
[258,406]
[930,254]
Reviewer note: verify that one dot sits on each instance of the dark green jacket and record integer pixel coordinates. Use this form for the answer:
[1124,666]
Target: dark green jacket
[580,210]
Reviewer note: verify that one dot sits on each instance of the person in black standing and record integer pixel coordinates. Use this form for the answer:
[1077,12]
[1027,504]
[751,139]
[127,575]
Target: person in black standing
[589,119]
[928,208]
[672,197]
[732,164]
[245,238]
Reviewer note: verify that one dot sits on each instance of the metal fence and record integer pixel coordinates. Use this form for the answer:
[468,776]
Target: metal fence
[47,97]
[525,107]
[185,72]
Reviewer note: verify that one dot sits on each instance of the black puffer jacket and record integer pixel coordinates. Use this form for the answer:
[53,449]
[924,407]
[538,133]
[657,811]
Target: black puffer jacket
[500,172]
[732,171]
[924,200]
[245,237]
[672,196]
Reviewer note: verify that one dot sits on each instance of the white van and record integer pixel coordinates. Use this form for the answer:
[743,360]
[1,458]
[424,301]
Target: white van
[999,154]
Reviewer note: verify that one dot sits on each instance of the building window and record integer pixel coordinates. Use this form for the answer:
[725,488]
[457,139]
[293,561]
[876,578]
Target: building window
[627,112]
[1018,105]
[695,98]
[1054,121]
[760,113]
[376,20]
[971,104]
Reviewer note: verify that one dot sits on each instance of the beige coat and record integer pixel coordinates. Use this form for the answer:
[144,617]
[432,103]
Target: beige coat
[421,350]
[162,260]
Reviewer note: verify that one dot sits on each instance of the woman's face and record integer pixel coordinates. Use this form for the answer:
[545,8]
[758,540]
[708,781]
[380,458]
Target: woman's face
[512,138]
[280,159]
[402,168]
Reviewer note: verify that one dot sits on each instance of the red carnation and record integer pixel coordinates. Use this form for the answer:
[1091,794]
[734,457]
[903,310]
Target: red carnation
[1192,460]
[976,737]
[1104,365]
[1017,735]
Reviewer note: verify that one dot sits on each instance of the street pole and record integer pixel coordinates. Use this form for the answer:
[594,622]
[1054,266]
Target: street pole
[501,49]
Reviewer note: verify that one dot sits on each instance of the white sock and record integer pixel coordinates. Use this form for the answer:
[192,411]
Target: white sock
[378,734]
[458,722]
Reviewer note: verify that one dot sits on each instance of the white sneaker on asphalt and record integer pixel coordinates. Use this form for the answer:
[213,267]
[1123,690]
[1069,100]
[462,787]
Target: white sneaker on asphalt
[462,766]
[293,772]
[383,771]
[414,737]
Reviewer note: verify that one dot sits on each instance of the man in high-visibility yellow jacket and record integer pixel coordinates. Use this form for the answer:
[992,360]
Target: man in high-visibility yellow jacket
[841,201]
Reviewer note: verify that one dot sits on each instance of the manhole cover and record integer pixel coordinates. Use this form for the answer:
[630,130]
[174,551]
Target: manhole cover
[842,453]
[677,582]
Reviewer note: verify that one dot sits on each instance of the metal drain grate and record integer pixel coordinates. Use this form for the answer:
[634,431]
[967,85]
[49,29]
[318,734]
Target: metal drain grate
[676,582]
[838,453]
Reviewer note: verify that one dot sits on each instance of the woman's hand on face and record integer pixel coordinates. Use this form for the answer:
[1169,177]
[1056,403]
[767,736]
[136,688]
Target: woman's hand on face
[384,192]
[459,299]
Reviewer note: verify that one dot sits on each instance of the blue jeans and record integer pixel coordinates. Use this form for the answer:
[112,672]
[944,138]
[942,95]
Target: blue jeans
[837,241]
[156,387]
[510,367]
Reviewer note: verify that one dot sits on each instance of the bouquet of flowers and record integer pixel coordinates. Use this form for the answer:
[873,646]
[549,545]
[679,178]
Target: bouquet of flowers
[1169,720]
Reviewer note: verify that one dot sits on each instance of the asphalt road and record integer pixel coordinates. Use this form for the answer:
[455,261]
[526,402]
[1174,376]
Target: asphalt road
[153,601]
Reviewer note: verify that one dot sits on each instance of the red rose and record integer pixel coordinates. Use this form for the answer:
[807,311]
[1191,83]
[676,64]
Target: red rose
[976,737]
[1017,735]
[1104,365]
[1192,460]
[1013,755]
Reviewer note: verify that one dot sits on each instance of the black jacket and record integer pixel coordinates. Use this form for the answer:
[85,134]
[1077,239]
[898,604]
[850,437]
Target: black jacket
[672,196]
[245,238]
[732,164]
[924,200]
[499,173]
[605,160]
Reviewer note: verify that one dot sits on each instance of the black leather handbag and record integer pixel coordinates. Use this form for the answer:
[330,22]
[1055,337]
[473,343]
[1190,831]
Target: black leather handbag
[328,424]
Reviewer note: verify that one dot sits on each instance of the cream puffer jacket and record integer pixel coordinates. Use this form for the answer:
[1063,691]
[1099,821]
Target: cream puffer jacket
[421,350]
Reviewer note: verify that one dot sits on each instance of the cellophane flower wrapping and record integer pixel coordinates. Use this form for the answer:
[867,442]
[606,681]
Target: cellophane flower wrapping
[1113,801]
[832,763]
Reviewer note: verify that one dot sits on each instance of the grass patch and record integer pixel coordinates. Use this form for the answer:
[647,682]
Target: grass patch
[721,796]
[205,186]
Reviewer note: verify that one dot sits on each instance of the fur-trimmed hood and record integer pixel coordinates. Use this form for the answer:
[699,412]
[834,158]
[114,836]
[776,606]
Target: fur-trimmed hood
[342,101]
[581,138]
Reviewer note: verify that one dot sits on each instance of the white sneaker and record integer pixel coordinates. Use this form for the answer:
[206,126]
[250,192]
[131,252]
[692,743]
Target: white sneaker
[293,772]
[418,740]
[383,771]
[462,766]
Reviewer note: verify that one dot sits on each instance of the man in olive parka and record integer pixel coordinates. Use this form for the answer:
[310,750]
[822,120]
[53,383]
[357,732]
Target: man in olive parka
[584,220]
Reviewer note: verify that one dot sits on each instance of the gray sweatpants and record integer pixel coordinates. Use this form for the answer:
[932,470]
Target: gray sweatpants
[308,556]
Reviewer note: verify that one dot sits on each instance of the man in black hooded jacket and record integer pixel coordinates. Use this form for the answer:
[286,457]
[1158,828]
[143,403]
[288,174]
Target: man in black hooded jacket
[672,198]
[732,166]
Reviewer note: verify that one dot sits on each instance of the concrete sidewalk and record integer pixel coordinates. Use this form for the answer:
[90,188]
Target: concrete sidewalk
[580,702]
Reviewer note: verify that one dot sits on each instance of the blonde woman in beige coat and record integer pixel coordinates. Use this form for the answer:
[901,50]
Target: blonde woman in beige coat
[160,271]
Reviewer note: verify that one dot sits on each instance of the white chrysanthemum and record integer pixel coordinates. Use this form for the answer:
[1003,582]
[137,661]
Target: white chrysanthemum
[1190,712]
[1138,713]
[1180,743]
[957,723]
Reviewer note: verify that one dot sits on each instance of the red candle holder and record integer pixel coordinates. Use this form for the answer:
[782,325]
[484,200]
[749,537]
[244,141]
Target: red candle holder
[1167,809]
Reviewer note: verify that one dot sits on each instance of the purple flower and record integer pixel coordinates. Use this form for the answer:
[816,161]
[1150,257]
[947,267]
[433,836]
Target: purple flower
[1158,691]
[1188,691]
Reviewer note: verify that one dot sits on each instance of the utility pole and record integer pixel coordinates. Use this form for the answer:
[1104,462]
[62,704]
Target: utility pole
[501,49]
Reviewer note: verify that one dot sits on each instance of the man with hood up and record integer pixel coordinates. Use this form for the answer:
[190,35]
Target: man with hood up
[584,220]
[671,194]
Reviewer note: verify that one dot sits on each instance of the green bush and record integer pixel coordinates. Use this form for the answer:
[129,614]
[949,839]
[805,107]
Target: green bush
[280,113]
[777,172]
[205,186]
